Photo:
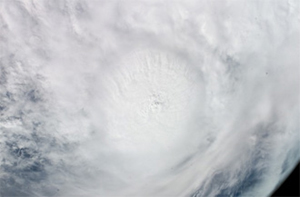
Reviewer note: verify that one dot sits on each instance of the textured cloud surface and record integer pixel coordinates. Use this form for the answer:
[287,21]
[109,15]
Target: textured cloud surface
[148,98]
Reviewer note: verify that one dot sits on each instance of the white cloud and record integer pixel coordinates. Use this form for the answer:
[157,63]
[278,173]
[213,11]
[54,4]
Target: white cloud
[148,97]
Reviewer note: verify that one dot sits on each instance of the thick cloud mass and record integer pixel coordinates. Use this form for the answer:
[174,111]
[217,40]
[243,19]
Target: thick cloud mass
[148,98]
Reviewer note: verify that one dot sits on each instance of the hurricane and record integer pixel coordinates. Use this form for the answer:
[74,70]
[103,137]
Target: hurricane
[148,98]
